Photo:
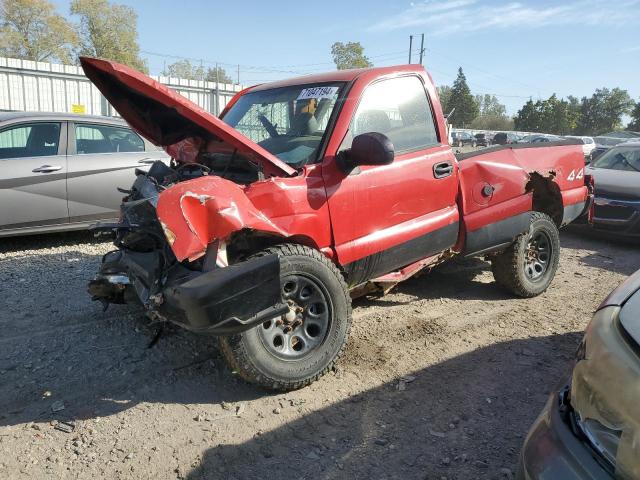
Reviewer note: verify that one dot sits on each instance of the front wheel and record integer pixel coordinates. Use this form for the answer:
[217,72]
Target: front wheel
[528,266]
[295,349]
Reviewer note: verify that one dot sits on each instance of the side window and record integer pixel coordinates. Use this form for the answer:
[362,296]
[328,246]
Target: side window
[30,140]
[106,139]
[398,108]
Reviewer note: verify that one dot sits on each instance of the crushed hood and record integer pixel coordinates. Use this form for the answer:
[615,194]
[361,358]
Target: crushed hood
[165,117]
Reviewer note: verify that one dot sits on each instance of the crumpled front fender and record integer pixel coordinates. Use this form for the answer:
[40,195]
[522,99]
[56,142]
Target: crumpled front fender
[196,212]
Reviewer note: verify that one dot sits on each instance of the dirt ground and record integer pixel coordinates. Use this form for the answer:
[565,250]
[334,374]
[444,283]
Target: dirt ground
[477,365]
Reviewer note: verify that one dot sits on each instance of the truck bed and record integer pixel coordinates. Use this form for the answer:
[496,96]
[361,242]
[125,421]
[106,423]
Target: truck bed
[500,185]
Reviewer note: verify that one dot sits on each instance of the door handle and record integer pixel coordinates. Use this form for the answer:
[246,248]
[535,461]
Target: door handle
[442,169]
[147,161]
[47,169]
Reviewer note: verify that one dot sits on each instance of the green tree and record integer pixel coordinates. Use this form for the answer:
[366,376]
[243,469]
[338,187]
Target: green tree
[634,125]
[444,94]
[553,115]
[493,114]
[492,122]
[559,116]
[490,106]
[218,74]
[349,55]
[186,69]
[109,30]
[603,111]
[32,30]
[528,118]
[467,108]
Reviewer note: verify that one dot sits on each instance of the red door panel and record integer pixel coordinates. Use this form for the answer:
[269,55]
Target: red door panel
[384,206]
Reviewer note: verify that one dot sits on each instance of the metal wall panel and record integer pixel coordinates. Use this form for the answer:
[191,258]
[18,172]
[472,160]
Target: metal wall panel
[48,87]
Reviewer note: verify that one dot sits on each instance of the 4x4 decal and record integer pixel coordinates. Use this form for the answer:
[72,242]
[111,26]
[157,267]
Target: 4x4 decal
[576,175]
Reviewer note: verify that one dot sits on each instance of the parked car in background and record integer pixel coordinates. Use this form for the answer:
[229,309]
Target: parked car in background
[539,138]
[505,138]
[609,140]
[527,138]
[617,190]
[546,139]
[61,171]
[598,150]
[590,428]
[483,139]
[459,139]
[588,144]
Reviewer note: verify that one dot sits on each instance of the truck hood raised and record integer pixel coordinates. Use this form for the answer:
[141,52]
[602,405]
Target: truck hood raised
[165,117]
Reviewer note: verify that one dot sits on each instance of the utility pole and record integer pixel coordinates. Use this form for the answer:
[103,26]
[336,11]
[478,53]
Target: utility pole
[238,74]
[217,97]
[421,48]
[410,47]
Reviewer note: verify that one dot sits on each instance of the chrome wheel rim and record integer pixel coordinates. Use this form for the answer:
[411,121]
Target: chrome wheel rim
[304,327]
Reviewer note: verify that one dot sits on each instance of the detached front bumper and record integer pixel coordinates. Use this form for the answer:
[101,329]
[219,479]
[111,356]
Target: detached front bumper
[222,301]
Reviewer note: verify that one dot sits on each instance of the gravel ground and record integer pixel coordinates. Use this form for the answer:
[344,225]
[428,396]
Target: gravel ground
[441,378]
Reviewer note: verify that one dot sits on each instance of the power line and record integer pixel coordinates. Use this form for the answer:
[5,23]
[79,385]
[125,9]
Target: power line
[385,57]
[268,69]
[486,72]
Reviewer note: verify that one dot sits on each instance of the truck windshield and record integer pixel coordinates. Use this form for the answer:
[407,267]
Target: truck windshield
[288,122]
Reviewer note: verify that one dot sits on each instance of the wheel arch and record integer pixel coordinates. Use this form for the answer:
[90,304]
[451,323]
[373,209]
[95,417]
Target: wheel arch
[547,197]
[247,241]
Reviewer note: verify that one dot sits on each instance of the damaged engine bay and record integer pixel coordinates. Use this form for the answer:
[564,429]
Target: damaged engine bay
[144,269]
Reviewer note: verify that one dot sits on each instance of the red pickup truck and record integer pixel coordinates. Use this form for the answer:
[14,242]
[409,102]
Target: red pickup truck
[309,191]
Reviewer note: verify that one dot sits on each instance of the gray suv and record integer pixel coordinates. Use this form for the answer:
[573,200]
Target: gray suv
[61,171]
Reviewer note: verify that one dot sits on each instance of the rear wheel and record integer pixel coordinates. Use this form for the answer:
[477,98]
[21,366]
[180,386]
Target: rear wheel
[528,266]
[295,349]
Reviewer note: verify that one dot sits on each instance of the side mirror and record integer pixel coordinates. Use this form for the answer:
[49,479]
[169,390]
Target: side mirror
[366,149]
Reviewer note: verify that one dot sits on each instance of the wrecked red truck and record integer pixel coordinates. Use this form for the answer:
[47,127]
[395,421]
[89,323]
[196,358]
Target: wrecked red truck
[307,192]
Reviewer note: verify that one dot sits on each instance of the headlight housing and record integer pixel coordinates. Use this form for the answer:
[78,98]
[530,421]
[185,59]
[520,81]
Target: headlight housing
[603,440]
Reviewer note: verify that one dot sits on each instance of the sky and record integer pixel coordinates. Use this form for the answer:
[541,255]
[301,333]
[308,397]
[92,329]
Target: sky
[515,50]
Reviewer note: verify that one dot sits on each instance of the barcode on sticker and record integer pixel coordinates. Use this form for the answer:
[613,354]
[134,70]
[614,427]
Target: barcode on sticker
[317,93]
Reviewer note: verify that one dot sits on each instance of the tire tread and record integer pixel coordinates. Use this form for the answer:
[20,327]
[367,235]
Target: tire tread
[505,266]
[233,349]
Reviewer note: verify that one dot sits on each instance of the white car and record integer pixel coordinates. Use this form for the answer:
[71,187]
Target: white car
[588,144]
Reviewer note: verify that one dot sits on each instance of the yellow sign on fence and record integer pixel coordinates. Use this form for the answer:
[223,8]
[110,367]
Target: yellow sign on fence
[78,108]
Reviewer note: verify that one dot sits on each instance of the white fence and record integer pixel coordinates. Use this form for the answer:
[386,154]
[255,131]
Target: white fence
[31,86]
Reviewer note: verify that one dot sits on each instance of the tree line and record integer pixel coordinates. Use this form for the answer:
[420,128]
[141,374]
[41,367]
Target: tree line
[600,113]
[34,30]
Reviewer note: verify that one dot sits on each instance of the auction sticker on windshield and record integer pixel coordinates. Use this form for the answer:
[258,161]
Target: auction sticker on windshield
[318,93]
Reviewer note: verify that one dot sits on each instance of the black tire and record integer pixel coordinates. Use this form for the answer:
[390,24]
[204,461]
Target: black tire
[263,361]
[519,269]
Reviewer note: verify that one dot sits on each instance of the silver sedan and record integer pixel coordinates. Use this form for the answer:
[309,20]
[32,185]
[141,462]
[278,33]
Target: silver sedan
[61,171]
